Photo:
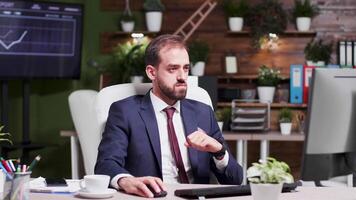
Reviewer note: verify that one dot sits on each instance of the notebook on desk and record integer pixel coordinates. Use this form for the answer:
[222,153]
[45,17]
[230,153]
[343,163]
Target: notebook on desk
[224,191]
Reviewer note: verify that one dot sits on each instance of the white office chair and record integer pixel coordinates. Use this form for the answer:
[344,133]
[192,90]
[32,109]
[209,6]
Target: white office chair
[81,103]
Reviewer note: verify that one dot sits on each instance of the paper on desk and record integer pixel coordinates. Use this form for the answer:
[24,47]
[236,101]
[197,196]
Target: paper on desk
[39,185]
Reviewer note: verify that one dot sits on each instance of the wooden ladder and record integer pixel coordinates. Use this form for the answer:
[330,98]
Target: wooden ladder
[189,26]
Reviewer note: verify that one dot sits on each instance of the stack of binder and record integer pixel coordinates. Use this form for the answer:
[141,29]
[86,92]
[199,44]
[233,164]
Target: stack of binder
[300,80]
[250,118]
[347,54]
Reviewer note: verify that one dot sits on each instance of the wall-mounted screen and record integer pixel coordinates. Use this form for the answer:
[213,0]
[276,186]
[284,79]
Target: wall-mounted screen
[40,40]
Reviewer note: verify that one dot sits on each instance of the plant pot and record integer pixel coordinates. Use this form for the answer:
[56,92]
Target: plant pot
[221,124]
[286,128]
[136,79]
[303,23]
[127,26]
[154,21]
[317,64]
[198,69]
[266,94]
[236,23]
[266,191]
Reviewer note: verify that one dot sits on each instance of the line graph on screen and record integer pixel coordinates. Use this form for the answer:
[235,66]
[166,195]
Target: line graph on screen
[7,47]
[37,36]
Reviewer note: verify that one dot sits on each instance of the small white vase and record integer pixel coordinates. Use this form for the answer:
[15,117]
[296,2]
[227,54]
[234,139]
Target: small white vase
[286,128]
[221,124]
[236,23]
[303,23]
[154,21]
[136,79]
[127,26]
[198,69]
[265,94]
[266,191]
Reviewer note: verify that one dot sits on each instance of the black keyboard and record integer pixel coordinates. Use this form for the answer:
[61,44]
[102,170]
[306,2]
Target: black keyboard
[224,191]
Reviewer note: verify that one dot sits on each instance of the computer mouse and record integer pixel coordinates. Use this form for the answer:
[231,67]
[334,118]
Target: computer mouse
[162,193]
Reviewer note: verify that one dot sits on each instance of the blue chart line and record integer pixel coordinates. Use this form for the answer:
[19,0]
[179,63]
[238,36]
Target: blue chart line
[14,42]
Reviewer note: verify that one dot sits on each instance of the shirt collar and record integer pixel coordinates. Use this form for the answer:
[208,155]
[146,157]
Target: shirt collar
[159,104]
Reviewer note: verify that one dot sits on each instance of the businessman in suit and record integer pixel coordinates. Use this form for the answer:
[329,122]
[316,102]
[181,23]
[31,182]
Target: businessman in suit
[162,135]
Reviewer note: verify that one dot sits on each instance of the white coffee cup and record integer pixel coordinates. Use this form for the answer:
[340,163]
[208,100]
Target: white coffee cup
[95,183]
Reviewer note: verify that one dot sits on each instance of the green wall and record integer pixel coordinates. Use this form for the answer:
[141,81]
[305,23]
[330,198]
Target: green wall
[49,111]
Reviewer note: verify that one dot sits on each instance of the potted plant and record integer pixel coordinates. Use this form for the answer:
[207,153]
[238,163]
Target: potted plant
[235,12]
[198,55]
[223,116]
[318,53]
[267,80]
[154,9]
[267,177]
[303,12]
[285,121]
[267,17]
[127,22]
[2,173]
[2,136]
[125,63]
[127,19]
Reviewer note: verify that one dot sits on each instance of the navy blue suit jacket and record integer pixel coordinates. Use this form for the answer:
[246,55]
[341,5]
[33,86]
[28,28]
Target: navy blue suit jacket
[130,142]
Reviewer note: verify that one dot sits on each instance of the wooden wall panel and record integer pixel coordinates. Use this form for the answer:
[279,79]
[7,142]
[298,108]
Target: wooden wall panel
[336,21]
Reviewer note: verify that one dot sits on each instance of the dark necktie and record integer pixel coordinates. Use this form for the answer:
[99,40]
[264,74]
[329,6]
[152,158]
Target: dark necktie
[183,178]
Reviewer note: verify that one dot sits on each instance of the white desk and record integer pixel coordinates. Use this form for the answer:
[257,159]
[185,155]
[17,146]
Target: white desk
[303,193]
[240,138]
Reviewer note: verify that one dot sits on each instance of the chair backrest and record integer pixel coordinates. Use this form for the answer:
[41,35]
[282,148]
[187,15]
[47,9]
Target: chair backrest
[114,93]
[81,104]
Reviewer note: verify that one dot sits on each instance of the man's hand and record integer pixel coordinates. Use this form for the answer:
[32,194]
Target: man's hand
[138,185]
[203,142]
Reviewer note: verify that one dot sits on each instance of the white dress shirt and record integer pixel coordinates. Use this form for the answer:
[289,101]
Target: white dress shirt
[169,168]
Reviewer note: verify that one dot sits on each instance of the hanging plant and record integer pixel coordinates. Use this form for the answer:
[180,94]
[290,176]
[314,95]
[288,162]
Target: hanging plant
[266,17]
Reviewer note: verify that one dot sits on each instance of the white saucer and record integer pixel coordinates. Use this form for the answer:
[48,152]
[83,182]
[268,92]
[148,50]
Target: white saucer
[97,195]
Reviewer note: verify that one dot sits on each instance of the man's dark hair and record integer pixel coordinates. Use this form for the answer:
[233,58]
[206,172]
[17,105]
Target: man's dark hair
[158,43]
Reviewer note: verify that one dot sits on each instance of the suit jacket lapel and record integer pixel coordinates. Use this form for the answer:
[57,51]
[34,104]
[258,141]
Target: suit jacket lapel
[149,118]
[190,125]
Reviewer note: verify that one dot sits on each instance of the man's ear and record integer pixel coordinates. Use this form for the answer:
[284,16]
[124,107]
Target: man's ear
[151,72]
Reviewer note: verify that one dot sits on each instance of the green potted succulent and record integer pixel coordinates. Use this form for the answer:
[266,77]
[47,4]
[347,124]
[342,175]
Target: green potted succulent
[223,116]
[285,121]
[154,9]
[235,12]
[318,53]
[267,80]
[267,17]
[303,12]
[267,177]
[198,55]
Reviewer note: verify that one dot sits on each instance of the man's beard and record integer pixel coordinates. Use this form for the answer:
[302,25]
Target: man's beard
[171,92]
